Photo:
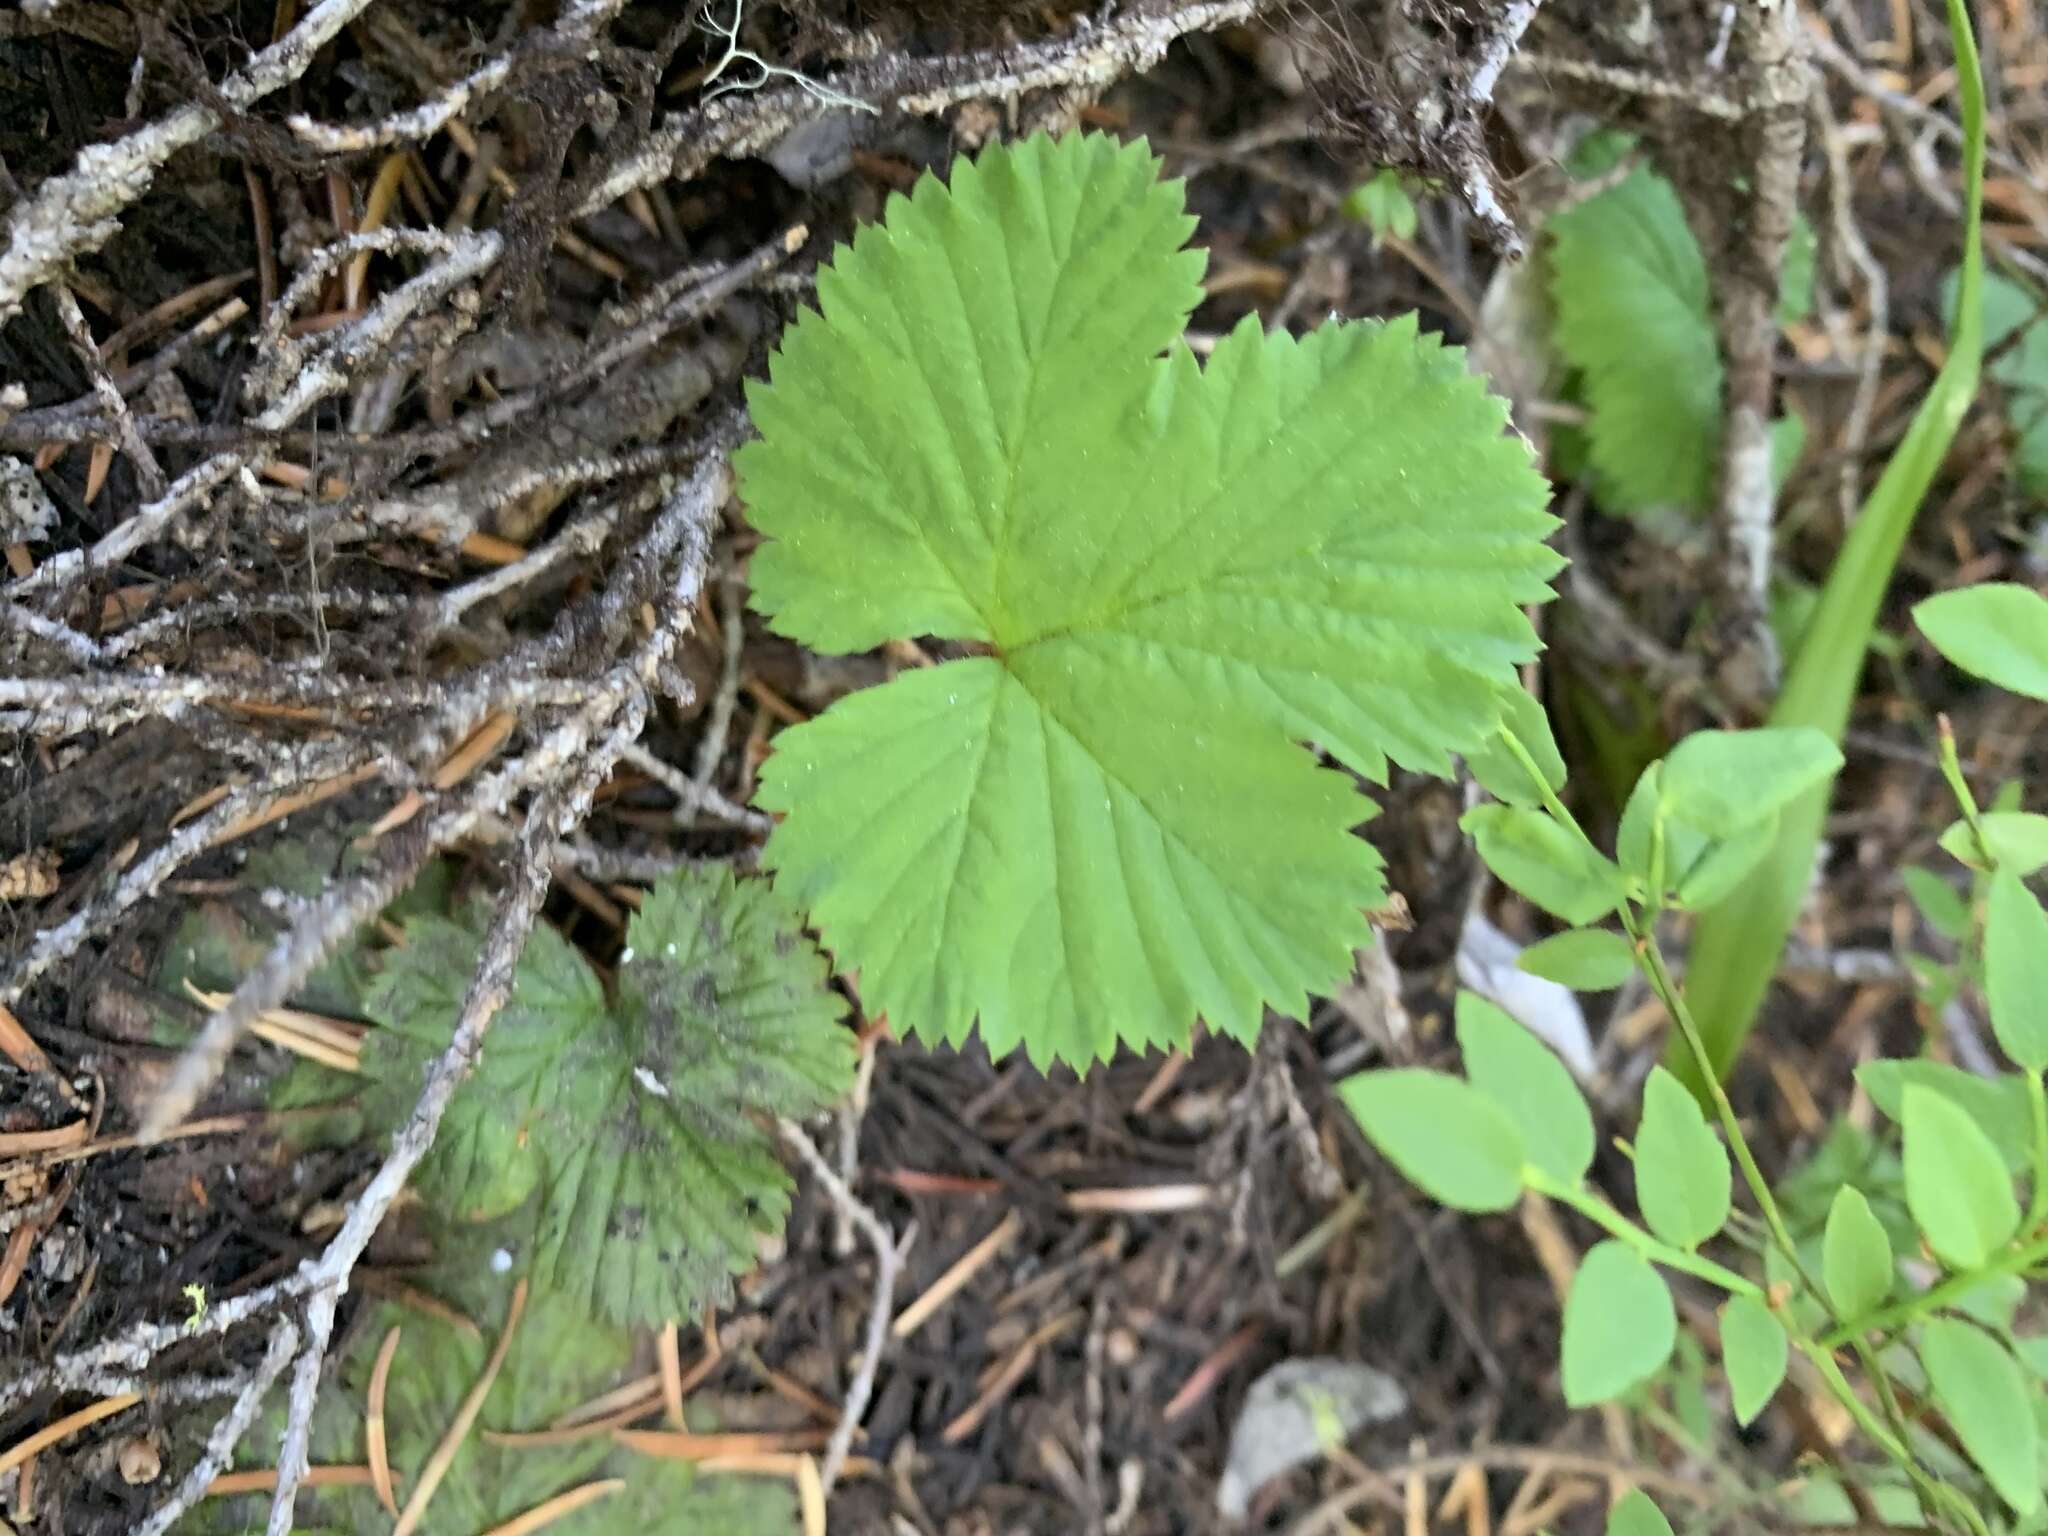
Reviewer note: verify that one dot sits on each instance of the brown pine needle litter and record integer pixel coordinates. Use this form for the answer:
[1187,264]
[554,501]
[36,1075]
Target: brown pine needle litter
[810,1495]
[586,1429]
[559,1507]
[674,1445]
[465,1416]
[948,1285]
[671,1373]
[69,1425]
[611,1402]
[335,1043]
[373,1426]
[263,1479]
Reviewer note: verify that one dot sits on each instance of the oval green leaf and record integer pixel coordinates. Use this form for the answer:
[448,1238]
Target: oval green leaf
[1452,1141]
[1683,1179]
[1499,772]
[1526,1079]
[1938,902]
[1619,1325]
[1634,1515]
[1584,959]
[1754,1352]
[1957,1185]
[1998,1105]
[2016,970]
[1984,1397]
[1548,863]
[1704,877]
[1996,631]
[1856,1256]
[1723,781]
[2018,841]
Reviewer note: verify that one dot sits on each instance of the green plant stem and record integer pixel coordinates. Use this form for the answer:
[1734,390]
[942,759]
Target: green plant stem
[1932,1494]
[1952,770]
[1618,1226]
[1651,958]
[2037,1103]
[2012,1261]
[1888,1433]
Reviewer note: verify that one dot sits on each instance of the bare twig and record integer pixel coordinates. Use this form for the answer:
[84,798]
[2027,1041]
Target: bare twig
[1475,171]
[295,956]
[889,1253]
[582,752]
[79,211]
[228,1433]
[147,470]
[1746,289]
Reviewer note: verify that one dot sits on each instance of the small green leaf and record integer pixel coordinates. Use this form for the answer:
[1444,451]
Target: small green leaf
[2016,970]
[1939,902]
[2018,841]
[1957,1185]
[1856,1256]
[1640,818]
[1584,959]
[1997,1105]
[1720,864]
[1634,1515]
[1754,1352]
[1383,206]
[1985,1400]
[1682,1175]
[1619,1325]
[1499,772]
[1699,869]
[1724,781]
[1453,1142]
[1524,1077]
[1996,630]
[1546,862]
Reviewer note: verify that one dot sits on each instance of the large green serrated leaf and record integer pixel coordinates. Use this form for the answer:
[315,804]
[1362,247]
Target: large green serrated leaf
[487,1158]
[1104,827]
[724,1017]
[637,1123]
